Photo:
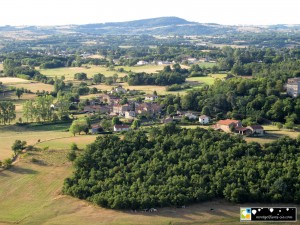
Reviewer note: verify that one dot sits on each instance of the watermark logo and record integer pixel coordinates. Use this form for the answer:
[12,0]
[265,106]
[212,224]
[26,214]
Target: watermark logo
[245,214]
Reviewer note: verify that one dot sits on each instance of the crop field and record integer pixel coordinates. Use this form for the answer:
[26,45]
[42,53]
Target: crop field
[34,87]
[27,84]
[30,194]
[69,72]
[13,80]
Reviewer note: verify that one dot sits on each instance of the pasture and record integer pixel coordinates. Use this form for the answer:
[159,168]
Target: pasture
[8,134]
[34,86]
[202,80]
[27,84]
[13,80]
[30,194]
[69,72]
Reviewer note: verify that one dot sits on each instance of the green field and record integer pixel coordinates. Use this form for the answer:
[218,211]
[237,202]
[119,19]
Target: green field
[69,72]
[202,80]
[207,64]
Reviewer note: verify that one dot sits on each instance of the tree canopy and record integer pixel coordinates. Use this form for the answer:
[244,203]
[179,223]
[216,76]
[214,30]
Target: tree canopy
[173,167]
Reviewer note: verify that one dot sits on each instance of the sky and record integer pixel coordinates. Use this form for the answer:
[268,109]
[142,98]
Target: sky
[233,12]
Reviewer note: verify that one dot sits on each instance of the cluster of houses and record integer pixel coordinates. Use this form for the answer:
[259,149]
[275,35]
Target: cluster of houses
[150,109]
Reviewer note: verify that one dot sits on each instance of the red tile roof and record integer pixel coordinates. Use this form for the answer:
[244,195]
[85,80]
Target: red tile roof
[227,122]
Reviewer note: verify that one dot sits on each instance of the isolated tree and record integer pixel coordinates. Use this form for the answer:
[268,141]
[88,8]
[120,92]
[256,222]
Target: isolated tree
[80,76]
[98,78]
[19,92]
[18,145]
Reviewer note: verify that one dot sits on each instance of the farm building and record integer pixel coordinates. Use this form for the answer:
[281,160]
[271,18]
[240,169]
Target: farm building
[256,130]
[121,127]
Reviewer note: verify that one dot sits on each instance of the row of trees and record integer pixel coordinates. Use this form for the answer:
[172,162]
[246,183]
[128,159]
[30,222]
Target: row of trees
[43,109]
[170,166]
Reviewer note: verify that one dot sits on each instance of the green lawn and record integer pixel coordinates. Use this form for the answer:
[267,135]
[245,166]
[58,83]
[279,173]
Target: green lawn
[202,80]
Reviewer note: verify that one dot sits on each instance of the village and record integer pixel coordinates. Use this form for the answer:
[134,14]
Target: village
[150,110]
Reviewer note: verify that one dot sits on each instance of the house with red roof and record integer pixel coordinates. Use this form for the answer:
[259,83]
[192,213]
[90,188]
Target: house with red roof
[227,125]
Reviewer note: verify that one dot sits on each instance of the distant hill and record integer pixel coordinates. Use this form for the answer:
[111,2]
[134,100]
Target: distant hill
[154,26]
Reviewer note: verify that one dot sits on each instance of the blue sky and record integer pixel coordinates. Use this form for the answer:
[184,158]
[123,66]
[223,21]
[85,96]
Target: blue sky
[58,12]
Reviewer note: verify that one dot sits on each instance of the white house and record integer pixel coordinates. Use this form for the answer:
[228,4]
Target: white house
[190,115]
[151,97]
[119,90]
[121,127]
[203,119]
[141,63]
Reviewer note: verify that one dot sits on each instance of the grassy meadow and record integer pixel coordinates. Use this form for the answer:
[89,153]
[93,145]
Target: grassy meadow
[69,72]
[29,134]
[27,84]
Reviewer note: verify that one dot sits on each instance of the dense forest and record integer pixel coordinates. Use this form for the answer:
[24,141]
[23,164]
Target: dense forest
[170,166]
